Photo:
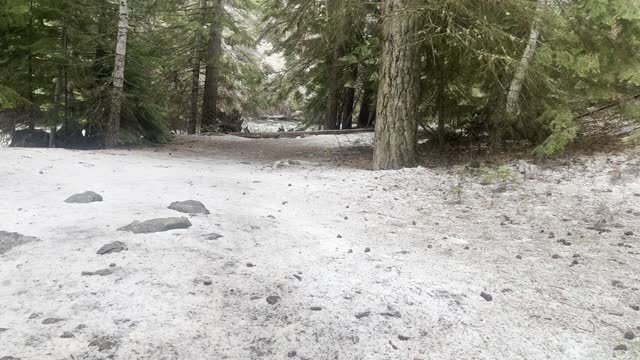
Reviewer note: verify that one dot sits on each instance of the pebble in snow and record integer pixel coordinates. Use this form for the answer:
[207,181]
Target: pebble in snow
[486,296]
[49,321]
[250,265]
[103,343]
[189,207]
[102,272]
[84,198]
[316,308]
[273,299]
[621,347]
[403,338]
[367,249]
[297,277]
[67,335]
[635,307]
[157,225]
[629,335]
[292,354]
[114,247]
[363,314]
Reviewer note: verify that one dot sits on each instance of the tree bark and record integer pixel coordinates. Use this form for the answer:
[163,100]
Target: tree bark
[399,89]
[194,123]
[513,107]
[214,53]
[113,128]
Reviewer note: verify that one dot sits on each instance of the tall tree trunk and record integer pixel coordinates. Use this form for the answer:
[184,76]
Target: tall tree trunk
[399,89]
[333,95]
[513,107]
[194,123]
[214,53]
[365,107]
[349,99]
[113,128]
[32,124]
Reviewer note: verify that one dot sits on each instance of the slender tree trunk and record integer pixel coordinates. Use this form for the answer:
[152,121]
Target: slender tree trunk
[32,124]
[333,95]
[349,99]
[194,123]
[214,53]
[113,128]
[513,107]
[365,107]
[399,89]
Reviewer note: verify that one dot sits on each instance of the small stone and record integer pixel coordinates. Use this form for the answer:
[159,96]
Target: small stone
[429,246]
[363,314]
[466,248]
[346,218]
[635,307]
[486,296]
[403,338]
[366,250]
[628,233]
[67,335]
[212,236]
[292,354]
[555,256]
[519,257]
[574,263]
[114,247]
[621,347]
[629,335]
[103,343]
[10,240]
[10,357]
[618,284]
[112,265]
[316,308]
[102,272]
[339,236]
[297,277]
[506,290]
[3,330]
[84,198]
[189,207]
[250,265]
[273,299]
[414,223]
[35,316]
[49,321]
[575,256]
[349,251]
[157,225]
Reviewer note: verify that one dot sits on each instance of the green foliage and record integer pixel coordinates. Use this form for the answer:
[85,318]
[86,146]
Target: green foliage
[562,128]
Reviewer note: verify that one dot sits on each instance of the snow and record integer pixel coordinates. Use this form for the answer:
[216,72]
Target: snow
[284,217]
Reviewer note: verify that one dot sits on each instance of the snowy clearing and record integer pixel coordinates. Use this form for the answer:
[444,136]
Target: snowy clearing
[306,254]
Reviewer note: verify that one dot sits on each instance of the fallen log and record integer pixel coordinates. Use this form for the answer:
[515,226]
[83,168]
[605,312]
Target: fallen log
[294,134]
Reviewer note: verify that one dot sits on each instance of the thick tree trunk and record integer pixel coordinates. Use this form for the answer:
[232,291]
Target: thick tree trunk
[113,128]
[513,107]
[194,123]
[214,53]
[399,89]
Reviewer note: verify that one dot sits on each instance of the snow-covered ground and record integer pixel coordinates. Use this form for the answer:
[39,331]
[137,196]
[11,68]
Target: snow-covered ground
[366,265]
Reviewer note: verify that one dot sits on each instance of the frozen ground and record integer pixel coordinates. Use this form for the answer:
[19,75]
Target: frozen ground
[298,230]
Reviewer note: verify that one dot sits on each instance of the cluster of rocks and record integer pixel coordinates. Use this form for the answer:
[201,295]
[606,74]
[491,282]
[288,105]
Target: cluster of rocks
[9,240]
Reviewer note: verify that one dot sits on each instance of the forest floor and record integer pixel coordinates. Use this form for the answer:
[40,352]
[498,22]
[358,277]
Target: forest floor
[319,257]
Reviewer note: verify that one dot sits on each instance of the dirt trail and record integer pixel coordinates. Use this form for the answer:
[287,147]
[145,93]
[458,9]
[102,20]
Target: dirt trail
[355,264]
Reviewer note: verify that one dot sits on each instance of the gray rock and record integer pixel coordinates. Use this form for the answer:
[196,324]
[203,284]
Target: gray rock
[157,225]
[621,347]
[103,272]
[67,335]
[84,198]
[212,236]
[10,240]
[629,335]
[49,321]
[3,330]
[189,207]
[9,358]
[103,343]
[363,314]
[486,296]
[273,299]
[113,247]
